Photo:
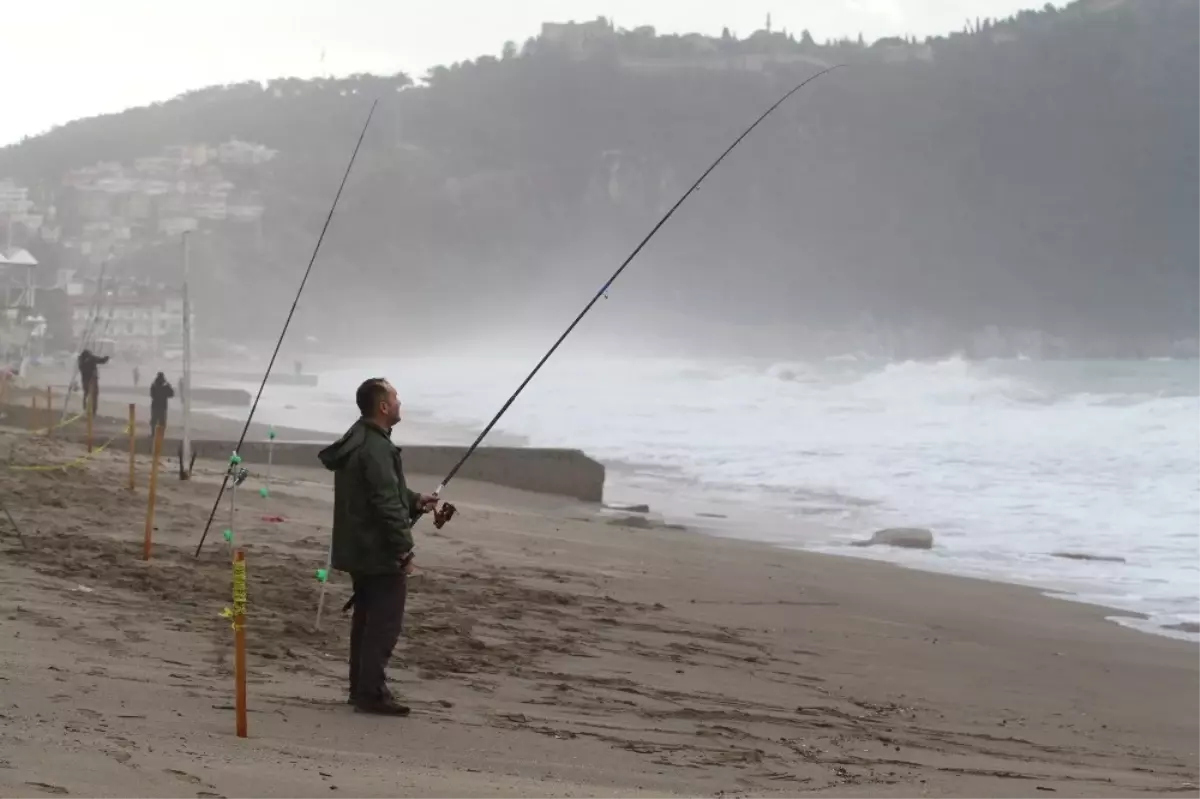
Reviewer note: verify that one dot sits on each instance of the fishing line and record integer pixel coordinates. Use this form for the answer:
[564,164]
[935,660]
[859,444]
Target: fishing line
[604,289]
[288,321]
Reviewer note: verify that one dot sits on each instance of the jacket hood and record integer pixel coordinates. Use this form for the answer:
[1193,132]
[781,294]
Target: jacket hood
[336,454]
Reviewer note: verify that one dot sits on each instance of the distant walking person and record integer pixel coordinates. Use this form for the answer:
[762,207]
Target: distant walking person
[160,392]
[373,514]
[89,375]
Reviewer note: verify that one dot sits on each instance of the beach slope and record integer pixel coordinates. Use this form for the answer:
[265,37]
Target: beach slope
[548,652]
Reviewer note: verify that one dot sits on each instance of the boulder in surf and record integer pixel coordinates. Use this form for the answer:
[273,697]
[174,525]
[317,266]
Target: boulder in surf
[905,537]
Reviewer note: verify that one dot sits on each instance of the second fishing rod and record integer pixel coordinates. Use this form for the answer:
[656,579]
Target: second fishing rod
[286,323]
[443,516]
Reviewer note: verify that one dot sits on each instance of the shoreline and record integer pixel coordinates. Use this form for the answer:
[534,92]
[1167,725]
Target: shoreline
[692,512]
[551,652]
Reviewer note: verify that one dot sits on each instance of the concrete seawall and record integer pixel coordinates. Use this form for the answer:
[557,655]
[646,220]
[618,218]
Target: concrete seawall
[561,472]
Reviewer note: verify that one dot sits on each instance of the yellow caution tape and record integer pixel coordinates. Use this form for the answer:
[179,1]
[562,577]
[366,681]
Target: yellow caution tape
[239,595]
[44,430]
[71,464]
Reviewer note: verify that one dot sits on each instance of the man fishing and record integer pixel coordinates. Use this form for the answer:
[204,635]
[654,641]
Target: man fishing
[373,514]
[89,375]
[160,392]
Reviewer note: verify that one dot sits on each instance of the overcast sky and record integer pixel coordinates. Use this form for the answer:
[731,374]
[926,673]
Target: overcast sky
[64,59]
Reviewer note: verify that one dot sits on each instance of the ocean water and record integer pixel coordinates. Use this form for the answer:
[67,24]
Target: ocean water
[1007,461]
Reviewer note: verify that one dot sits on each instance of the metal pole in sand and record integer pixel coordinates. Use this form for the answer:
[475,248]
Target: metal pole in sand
[147,543]
[89,410]
[133,446]
[185,450]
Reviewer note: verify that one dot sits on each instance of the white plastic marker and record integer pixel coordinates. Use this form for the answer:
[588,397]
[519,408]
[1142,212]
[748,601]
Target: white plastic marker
[239,476]
[323,579]
[265,491]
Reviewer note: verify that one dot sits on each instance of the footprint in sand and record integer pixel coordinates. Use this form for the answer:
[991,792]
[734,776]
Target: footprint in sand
[183,775]
[48,788]
[121,757]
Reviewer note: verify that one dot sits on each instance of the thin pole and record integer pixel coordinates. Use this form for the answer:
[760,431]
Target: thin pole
[147,541]
[133,446]
[49,412]
[239,639]
[86,335]
[323,576]
[13,522]
[89,411]
[246,428]
[186,389]
[266,491]
[604,289]
[232,509]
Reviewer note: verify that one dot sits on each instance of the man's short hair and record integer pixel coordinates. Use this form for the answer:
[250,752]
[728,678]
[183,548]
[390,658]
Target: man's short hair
[370,394]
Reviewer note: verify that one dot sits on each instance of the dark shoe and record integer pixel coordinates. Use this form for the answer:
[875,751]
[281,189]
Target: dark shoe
[381,707]
[353,698]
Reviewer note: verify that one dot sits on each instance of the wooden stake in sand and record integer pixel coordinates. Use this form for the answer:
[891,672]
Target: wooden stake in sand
[132,446]
[158,439]
[238,611]
[49,412]
[90,407]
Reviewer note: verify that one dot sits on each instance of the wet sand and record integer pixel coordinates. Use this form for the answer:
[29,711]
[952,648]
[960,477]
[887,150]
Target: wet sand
[548,652]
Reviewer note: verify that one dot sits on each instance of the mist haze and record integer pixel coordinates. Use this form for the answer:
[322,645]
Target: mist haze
[1028,185]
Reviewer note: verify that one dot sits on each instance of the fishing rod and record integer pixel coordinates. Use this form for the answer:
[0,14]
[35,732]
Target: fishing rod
[288,321]
[441,517]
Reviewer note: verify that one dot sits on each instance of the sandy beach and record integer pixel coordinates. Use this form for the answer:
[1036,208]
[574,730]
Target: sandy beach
[548,651]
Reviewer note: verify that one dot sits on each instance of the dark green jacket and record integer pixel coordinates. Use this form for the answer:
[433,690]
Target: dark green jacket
[373,509]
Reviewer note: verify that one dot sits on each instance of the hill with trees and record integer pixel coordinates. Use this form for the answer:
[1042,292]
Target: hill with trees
[1033,179]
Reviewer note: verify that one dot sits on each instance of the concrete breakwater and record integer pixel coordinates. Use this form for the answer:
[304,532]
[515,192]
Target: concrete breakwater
[560,472]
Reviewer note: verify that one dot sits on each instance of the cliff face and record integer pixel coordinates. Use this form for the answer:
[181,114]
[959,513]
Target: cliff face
[1034,180]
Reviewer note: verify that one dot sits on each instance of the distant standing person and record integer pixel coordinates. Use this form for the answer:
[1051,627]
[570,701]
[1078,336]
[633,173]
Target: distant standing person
[373,514]
[137,377]
[160,392]
[89,375]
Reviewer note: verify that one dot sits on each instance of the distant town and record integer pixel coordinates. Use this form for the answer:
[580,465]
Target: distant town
[106,211]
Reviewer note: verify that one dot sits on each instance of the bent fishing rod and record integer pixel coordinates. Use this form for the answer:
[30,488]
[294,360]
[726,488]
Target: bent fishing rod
[441,518]
[288,321]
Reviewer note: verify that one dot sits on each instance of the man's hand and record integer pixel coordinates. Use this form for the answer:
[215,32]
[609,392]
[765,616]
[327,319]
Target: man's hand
[427,503]
[409,566]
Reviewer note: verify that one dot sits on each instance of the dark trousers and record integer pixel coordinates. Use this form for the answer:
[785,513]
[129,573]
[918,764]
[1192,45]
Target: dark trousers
[378,620]
[157,417]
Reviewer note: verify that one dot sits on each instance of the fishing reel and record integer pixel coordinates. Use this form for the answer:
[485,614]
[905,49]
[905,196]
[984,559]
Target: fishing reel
[238,474]
[443,514]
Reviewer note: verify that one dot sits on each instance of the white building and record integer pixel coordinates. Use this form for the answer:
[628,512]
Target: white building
[244,153]
[137,322]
